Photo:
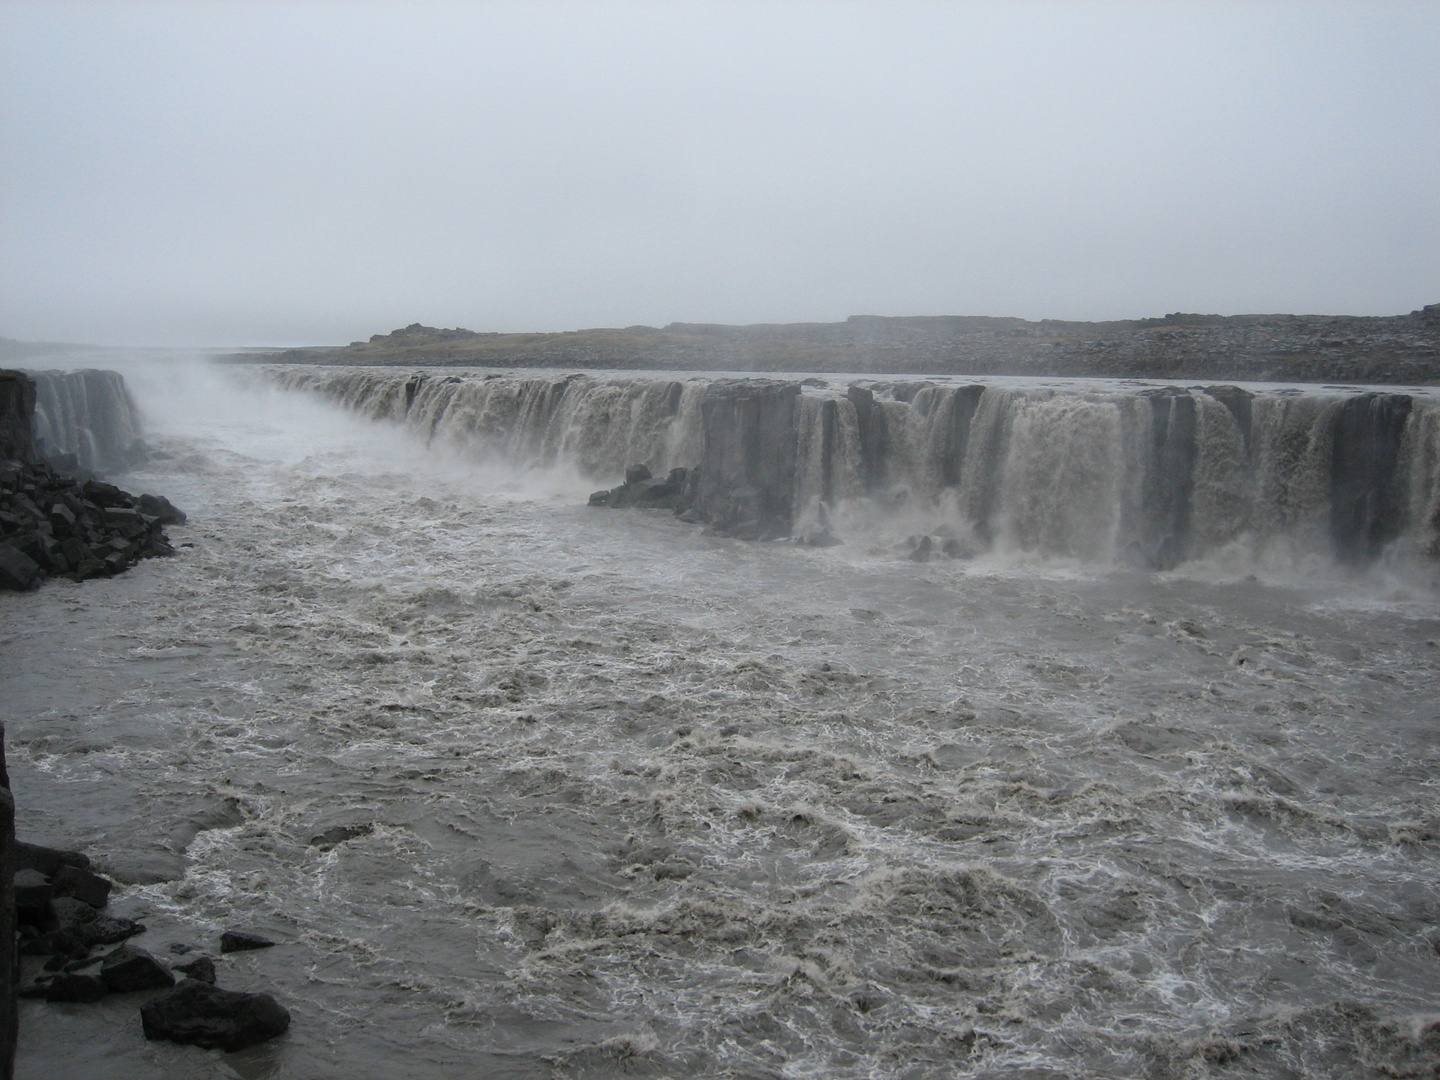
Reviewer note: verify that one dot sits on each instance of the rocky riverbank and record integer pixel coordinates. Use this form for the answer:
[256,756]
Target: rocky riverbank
[54,524]
[74,953]
[1280,348]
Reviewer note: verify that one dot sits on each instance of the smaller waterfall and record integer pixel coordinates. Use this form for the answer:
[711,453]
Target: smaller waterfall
[89,414]
[1099,472]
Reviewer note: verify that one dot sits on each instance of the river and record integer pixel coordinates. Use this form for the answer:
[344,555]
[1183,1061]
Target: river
[529,789]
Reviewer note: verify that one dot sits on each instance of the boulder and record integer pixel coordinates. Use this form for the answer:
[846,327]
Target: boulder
[62,519]
[77,882]
[157,506]
[656,494]
[75,986]
[33,942]
[107,931]
[201,969]
[203,1015]
[71,913]
[637,473]
[132,968]
[242,941]
[18,570]
[47,860]
[921,548]
[599,498]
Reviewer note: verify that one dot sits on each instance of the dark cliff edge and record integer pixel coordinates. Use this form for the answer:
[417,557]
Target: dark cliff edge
[1272,348]
[17,411]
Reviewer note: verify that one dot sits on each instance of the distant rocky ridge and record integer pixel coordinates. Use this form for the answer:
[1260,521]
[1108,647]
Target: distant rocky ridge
[1280,348]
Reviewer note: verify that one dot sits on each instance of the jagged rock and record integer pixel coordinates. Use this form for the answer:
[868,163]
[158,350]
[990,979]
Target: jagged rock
[162,509]
[108,931]
[74,881]
[18,571]
[132,968]
[201,969]
[242,941]
[599,498]
[203,1015]
[71,913]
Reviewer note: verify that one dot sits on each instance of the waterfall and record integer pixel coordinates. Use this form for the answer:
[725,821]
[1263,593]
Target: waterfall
[89,414]
[1152,476]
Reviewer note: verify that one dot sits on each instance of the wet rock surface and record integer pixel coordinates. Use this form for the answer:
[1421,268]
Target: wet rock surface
[88,957]
[132,968]
[243,941]
[53,525]
[204,1015]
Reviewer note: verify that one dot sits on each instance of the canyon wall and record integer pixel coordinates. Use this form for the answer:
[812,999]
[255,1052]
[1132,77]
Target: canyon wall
[1151,476]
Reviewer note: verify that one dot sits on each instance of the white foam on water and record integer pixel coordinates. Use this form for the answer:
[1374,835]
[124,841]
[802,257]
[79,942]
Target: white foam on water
[614,796]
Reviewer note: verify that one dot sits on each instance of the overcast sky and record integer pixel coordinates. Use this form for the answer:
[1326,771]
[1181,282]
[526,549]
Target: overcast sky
[266,173]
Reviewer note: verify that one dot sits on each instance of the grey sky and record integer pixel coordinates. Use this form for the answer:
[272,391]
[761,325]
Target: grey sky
[228,173]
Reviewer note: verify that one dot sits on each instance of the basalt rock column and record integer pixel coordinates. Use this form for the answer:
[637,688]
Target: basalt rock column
[17,412]
[1169,480]
[1366,505]
[747,470]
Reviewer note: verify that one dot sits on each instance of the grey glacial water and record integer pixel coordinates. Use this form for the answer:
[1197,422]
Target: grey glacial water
[529,789]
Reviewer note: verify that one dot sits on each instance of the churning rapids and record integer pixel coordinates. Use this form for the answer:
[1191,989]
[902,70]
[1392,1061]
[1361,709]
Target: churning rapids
[1143,786]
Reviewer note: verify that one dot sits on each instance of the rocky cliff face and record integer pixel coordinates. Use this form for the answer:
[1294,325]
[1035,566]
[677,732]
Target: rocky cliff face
[51,523]
[1125,473]
[17,416]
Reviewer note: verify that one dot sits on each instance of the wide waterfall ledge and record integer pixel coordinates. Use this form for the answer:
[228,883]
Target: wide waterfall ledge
[1101,471]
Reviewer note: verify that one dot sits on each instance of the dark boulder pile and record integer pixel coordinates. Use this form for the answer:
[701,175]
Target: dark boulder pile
[54,525]
[642,491]
[59,907]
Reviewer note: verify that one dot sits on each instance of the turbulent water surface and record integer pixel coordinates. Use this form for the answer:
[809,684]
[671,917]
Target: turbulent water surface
[527,789]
